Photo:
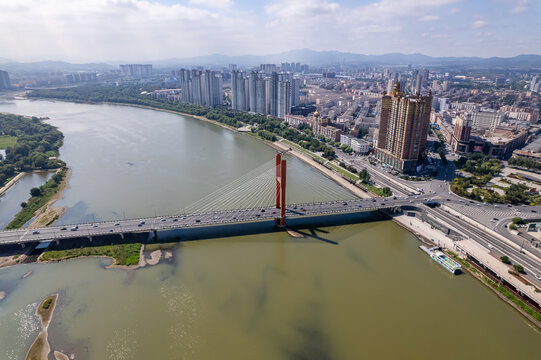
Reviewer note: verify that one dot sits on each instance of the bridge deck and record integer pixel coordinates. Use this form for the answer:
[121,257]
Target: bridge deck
[22,236]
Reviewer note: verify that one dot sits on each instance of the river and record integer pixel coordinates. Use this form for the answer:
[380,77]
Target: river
[348,292]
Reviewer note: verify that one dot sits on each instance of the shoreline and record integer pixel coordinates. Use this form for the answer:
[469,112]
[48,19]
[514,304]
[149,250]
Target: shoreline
[12,182]
[47,210]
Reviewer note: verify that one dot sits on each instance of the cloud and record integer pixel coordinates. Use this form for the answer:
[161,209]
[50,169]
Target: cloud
[520,7]
[479,24]
[212,3]
[301,8]
[429,18]
[112,29]
[454,10]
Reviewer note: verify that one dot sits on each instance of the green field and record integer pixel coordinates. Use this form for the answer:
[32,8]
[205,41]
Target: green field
[124,254]
[7,141]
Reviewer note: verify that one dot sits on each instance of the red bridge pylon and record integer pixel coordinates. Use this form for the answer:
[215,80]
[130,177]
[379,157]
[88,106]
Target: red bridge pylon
[281,188]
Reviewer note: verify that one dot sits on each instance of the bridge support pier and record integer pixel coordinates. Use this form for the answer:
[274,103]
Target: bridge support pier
[23,245]
[57,242]
[122,236]
[90,238]
[152,235]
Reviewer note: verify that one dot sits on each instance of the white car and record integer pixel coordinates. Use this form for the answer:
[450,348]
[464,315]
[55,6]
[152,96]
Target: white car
[537,277]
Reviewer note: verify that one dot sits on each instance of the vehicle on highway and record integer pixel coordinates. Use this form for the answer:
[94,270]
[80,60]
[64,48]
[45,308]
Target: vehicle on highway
[117,224]
[537,277]
[63,228]
[175,220]
[197,220]
[35,232]
[164,219]
[75,228]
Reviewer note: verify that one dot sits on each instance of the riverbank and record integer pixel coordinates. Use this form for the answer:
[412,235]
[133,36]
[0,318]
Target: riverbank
[38,205]
[48,214]
[40,348]
[11,183]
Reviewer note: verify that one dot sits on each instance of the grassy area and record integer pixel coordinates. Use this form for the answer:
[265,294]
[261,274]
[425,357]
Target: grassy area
[343,171]
[7,141]
[123,254]
[509,295]
[45,309]
[307,152]
[375,190]
[48,190]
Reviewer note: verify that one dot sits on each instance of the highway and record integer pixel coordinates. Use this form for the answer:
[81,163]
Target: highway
[22,236]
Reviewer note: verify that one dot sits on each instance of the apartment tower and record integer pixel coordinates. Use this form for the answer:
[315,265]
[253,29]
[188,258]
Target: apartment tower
[403,129]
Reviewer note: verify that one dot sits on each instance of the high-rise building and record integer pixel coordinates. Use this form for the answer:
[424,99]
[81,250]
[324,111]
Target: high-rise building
[253,91]
[284,99]
[5,83]
[461,133]
[272,95]
[200,87]
[295,91]
[136,70]
[260,100]
[533,83]
[403,129]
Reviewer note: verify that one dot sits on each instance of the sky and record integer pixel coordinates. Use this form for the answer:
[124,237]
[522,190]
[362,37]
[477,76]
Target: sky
[137,30]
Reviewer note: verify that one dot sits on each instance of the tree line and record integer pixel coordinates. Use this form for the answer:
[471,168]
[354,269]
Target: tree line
[36,143]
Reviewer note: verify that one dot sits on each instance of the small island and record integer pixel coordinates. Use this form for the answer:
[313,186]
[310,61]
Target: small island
[40,348]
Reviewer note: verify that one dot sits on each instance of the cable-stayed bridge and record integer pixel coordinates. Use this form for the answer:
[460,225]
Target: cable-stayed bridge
[258,196]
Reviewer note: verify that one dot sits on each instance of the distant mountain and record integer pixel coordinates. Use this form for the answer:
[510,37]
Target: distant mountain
[52,66]
[312,57]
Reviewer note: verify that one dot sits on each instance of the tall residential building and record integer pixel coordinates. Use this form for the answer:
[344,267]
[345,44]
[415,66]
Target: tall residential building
[272,95]
[5,83]
[260,100]
[295,91]
[136,70]
[461,133]
[200,87]
[403,129]
[234,90]
[284,99]
[253,91]
[533,83]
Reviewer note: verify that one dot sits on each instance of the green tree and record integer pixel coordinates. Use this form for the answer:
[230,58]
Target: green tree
[35,192]
[386,192]
[505,260]
[364,175]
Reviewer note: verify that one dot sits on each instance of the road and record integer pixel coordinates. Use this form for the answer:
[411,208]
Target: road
[22,236]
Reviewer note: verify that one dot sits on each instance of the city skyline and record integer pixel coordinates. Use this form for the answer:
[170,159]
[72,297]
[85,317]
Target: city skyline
[114,30]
